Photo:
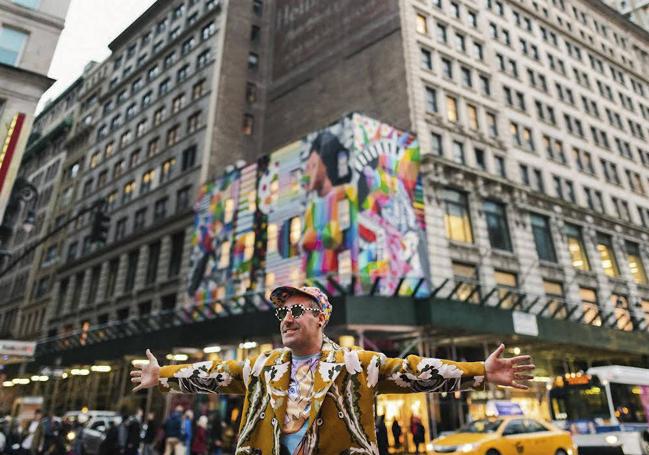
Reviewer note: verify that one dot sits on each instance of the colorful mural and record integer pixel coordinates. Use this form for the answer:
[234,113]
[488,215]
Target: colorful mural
[343,204]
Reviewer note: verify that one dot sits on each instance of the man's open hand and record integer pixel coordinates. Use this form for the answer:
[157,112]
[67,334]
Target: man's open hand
[512,372]
[146,375]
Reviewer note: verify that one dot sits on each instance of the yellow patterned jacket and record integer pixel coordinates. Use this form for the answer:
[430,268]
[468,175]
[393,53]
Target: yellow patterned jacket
[342,411]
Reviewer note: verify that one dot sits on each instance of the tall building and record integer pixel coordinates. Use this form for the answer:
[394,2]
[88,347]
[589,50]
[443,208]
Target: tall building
[531,118]
[28,35]
[636,11]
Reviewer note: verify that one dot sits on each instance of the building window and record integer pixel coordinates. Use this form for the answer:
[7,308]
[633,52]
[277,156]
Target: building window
[208,30]
[153,147]
[135,159]
[140,128]
[183,201]
[173,135]
[131,270]
[251,92]
[436,141]
[473,117]
[129,188]
[120,229]
[635,263]
[12,42]
[422,24]
[426,59]
[176,256]
[187,45]
[480,158]
[152,265]
[607,255]
[158,116]
[257,7]
[147,181]
[188,158]
[95,274]
[497,228]
[578,255]
[253,61]
[431,99]
[178,103]
[166,169]
[543,237]
[139,221]
[113,268]
[451,109]
[458,152]
[203,59]
[456,217]
[160,209]
[492,126]
[248,124]
[193,122]
[198,89]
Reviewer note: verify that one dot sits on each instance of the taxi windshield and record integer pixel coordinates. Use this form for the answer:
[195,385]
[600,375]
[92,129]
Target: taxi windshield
[481,426]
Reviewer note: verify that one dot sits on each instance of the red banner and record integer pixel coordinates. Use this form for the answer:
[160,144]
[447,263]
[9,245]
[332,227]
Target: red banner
[9,146]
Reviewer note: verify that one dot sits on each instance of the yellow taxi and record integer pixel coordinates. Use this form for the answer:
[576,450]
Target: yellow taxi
[510,435]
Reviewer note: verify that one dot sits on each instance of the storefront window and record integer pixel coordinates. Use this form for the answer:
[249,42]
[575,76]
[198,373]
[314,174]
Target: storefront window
[622,314]
[607,256]
[467,274]
[591,308]
[456,218]
[635,263]
[507,284]
[578,255]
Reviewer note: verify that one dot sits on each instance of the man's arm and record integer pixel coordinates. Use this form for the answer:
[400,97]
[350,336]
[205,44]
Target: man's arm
[202,377]
[215,376]
[422,374]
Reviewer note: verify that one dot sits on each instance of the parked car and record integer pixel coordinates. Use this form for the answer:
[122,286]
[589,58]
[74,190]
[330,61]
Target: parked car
[96,424]
[512,435]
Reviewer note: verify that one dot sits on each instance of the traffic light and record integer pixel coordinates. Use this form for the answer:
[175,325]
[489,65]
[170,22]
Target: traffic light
[100,225]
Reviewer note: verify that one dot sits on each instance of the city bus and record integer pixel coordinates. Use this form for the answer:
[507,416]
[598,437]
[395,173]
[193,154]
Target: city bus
[606,407]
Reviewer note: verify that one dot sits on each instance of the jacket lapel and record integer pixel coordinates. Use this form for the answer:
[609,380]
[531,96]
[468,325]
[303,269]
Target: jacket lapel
[277,376]
[329,368]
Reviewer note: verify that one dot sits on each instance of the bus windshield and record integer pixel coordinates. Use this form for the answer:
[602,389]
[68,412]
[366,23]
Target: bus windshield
[627,403]
[579,402]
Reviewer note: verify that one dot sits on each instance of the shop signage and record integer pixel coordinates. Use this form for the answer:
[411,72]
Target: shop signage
[525,324]
[17,348]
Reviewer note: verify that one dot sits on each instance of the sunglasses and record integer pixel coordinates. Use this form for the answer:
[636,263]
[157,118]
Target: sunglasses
[295,310]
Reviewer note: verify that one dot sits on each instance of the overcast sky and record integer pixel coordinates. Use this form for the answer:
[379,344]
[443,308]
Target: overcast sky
[89,27]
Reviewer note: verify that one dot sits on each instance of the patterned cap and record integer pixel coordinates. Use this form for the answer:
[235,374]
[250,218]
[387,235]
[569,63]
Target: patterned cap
[280,295]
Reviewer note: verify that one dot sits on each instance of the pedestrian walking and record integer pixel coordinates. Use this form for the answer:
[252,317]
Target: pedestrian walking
[396,433]
[199,441]
[150,433]
[313,395]
[216,435]
[173,433]
[187,431]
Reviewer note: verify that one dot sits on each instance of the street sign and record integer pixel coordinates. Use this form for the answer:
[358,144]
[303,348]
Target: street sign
[525,323]
[17,348]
